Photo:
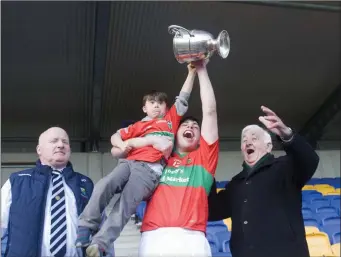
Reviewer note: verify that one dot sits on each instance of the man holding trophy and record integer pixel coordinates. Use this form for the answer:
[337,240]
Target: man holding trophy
[176,216]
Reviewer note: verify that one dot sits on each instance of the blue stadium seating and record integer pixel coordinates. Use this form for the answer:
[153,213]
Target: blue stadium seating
[319,209]
[336,238]
[140,210]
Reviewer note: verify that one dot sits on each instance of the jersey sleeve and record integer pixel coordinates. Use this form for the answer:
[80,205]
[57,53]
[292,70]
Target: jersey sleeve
[210,154]
[178,110]
[133,130]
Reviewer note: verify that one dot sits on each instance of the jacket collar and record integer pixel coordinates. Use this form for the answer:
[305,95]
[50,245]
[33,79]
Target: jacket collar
[248,171]
[47,170]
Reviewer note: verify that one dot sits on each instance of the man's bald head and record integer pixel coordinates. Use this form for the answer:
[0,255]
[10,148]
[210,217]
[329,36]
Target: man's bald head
[54,147]
[50,131]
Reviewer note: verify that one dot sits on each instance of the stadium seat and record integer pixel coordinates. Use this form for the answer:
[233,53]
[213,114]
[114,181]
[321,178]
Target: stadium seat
[140,210]
[331,193]
[215,223]
[336,238]
[313,181]
[308,187]
[311,222]
[321,186]
[332,181]
[331,198]
[309,216]
[321,217]
[327,209]
[217,251]
[320,201]
[318,244]
[335,202]
[322,205]
[226,247]
[310,192]
[222,237]
[221,184]
[334,220]
[336,249]
[222,254]
[213,241]
[328,192]
[311,229]
[215,227]
[310,195]
[305,204]
[332,231]
[228,223]
[337,185]
[307,211]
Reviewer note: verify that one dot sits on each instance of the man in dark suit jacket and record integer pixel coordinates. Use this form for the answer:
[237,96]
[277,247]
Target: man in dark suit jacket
[264,200]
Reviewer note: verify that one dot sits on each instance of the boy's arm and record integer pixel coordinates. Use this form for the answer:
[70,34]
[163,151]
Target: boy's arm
[181,101]
[121,137]
[117,142]
[117,152]
[163,144]
[187,87]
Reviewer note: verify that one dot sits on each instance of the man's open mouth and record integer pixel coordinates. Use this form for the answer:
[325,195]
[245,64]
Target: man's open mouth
[188,134]
[250,151]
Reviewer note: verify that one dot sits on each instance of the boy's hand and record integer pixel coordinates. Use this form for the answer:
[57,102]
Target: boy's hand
[126,147]
[191,68]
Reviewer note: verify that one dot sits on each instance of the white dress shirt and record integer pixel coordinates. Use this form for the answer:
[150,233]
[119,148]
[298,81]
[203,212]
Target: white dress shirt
[71,218]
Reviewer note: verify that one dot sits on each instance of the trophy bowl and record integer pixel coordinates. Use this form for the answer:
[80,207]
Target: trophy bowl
[194,45]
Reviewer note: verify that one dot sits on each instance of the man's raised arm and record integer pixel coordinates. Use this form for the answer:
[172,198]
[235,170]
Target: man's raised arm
[209,126]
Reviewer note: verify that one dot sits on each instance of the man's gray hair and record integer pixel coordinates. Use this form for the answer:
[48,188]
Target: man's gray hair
[267,137]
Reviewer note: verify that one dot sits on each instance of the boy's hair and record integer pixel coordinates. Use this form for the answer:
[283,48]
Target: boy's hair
[156,96]
[191,118]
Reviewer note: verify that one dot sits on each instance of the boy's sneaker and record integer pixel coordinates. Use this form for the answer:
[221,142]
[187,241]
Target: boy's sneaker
[94,250]
[83,237]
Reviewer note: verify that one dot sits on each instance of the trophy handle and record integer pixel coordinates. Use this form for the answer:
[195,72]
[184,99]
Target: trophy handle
[223,44]
[173,29]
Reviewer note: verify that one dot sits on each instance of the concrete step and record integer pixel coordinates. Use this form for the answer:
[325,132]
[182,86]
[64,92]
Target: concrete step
[128,242]
[126,253]
[128,239]
[131,233]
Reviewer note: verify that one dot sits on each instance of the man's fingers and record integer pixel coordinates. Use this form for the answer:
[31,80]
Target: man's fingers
[274,125]
[268,111]
[271,118]
[264,121]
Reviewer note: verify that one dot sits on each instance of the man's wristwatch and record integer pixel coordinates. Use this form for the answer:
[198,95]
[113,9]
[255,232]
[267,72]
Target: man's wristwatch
[289,138]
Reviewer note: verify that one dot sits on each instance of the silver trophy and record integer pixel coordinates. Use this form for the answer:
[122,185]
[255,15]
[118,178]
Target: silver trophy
[194,45]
